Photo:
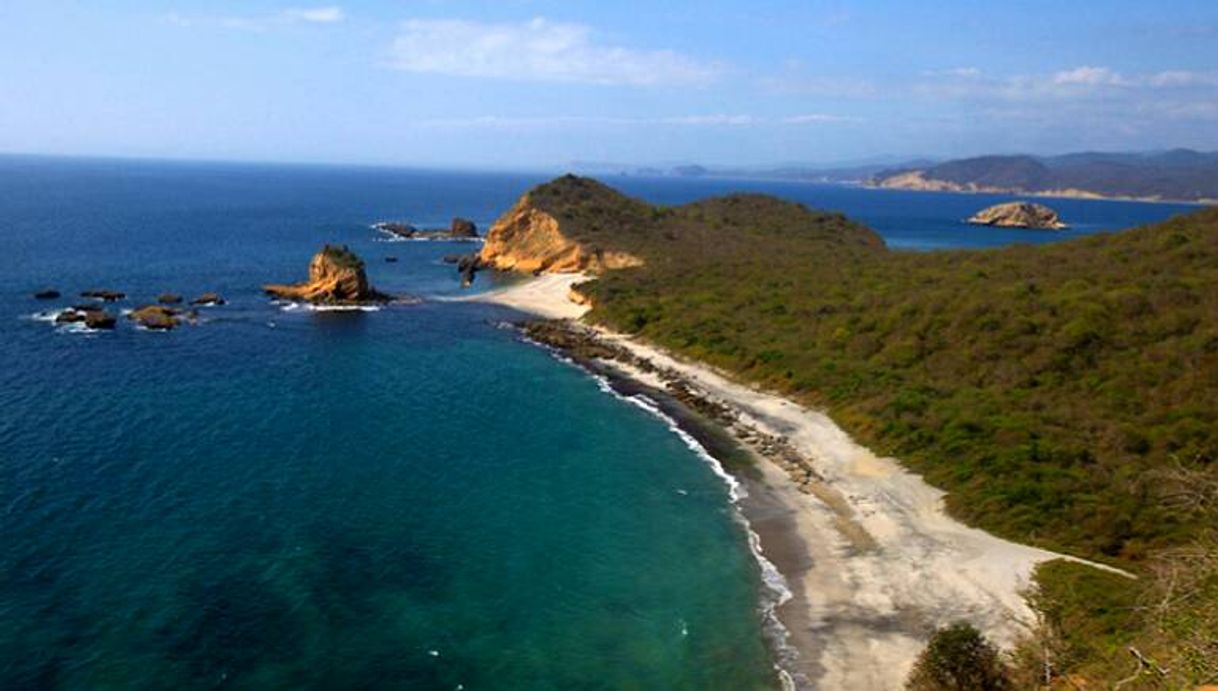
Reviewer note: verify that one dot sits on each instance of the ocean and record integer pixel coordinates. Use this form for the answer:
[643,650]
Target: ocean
[406,498]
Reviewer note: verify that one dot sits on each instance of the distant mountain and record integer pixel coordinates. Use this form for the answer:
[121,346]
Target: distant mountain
[1178,174]
[851,172]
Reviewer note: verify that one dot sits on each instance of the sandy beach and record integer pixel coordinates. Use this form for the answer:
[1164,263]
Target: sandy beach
[873,561]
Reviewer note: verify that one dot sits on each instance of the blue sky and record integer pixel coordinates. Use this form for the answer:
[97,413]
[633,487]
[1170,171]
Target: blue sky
[534,83]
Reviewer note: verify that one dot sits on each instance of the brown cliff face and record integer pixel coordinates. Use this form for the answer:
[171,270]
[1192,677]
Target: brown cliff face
[527,238]
[336,276]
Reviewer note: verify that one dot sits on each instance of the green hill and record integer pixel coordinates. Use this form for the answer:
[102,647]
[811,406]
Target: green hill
[1065,395]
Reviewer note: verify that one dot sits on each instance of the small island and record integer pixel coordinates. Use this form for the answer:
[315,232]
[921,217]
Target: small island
[459,229]
[1019,215]
[336,277]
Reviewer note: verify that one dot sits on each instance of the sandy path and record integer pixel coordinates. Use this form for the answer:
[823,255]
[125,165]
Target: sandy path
[882,563]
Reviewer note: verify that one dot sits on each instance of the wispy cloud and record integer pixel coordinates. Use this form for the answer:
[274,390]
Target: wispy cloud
[1076,84]
[818,119]
[821,86]
[537,50]
[300,15]
[316,15]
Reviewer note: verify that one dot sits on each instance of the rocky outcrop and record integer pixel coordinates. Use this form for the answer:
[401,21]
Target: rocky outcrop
[463,228]
[527,238]
[336,277]
[1019,215]
[459,229]
[92,316]
[468,266]
[155,317]
[208,299]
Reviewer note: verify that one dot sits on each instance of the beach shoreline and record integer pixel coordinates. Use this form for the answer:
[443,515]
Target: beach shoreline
[871,559]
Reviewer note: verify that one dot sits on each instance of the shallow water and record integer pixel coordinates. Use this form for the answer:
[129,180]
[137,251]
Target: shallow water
[406,498]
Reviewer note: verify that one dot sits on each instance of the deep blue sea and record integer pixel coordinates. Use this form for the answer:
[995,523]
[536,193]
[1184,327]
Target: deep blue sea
[411,498]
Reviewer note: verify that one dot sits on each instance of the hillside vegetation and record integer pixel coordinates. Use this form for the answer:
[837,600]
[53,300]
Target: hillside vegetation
[1064,395]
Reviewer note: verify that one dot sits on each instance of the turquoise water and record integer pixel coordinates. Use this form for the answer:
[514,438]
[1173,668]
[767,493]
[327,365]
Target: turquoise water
[410,498]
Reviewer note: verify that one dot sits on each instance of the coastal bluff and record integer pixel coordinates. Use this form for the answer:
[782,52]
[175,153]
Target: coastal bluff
[576,224]
[530,238]
[336,277]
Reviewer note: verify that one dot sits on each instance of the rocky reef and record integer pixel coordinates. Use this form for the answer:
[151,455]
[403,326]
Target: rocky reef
[91,316]
[336,277]
[459,229]
[160,317]
[1019,215]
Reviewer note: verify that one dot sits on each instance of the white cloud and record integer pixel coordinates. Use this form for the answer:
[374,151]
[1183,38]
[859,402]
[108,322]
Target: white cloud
[317,15]
[1088,76]
[536,50]
[827,87]
[817,119]
[307,15]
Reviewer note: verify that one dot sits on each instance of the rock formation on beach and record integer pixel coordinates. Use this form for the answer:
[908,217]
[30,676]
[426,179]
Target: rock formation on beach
[1018,215]
[336,277]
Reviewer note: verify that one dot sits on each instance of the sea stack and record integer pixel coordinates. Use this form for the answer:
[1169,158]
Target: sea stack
[336,277]
[1019,215]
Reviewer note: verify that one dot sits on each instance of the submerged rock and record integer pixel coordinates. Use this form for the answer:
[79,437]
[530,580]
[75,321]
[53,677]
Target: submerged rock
[401,230]
[48,294]
[169,299]
[208,299]
[336,276]
[391,259]
[1019,215]
[104,295]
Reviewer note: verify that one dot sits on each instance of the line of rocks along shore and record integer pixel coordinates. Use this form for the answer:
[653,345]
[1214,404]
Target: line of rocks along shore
[583,345]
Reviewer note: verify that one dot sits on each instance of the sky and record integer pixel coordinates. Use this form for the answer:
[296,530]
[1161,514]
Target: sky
[523,84]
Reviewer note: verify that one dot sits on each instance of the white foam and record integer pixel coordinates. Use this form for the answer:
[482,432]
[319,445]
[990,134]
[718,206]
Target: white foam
[50,316]
[288,306]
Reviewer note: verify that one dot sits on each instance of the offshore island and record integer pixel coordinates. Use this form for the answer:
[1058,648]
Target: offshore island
[1013,400]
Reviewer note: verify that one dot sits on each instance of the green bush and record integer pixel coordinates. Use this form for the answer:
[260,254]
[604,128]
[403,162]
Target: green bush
[958,658]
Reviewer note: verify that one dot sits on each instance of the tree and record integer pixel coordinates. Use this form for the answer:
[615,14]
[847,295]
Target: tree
[958,658]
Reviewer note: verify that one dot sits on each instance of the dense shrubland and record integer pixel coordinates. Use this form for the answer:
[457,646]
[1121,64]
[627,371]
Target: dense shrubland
[1059,393]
